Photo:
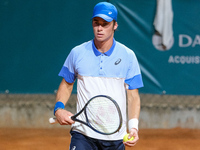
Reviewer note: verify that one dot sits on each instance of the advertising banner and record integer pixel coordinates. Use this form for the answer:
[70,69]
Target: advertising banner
[165,36]
[36,37]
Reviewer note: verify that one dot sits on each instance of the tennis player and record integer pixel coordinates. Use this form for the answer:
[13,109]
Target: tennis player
[102,66]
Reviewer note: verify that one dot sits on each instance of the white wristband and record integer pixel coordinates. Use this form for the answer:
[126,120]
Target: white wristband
[133,123]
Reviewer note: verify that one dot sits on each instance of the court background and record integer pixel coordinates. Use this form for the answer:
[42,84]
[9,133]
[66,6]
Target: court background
[36,37]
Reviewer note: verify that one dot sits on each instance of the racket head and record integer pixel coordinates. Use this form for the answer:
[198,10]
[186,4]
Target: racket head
[103,115]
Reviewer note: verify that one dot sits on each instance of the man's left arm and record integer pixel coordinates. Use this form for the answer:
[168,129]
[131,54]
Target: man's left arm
[133,115]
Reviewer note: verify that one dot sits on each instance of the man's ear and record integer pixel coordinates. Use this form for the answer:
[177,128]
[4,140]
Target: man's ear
[115,25]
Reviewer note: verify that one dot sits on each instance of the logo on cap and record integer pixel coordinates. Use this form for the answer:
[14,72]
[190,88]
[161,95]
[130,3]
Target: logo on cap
[106,11]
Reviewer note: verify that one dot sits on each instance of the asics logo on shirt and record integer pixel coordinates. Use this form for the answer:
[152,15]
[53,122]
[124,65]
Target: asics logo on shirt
[118,61]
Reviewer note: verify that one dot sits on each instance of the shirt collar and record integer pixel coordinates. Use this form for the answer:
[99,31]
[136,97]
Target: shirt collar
[108,53]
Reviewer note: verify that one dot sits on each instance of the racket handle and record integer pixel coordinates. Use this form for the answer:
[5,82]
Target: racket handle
[53,120]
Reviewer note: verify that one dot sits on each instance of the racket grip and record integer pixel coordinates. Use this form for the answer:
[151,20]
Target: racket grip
[53,120]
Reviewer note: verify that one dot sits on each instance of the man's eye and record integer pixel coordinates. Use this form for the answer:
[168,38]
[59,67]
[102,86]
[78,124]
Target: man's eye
[96,23]
[105,24]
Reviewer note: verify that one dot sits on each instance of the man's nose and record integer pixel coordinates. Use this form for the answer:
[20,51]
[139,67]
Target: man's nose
[99,27]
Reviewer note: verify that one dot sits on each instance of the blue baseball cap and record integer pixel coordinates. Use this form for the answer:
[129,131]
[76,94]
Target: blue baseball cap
[106,11]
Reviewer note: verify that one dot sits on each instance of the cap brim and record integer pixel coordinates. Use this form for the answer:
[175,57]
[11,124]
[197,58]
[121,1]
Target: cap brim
[105,17]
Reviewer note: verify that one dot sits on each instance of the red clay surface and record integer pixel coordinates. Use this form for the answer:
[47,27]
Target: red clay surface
[59,139]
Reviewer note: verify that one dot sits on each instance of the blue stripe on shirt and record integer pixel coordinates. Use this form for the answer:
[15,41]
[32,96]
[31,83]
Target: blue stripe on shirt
[135,82]
[67,75]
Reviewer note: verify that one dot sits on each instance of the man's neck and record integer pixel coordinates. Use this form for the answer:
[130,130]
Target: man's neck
[103,46]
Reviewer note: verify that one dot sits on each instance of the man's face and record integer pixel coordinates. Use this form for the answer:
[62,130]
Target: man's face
[102,29]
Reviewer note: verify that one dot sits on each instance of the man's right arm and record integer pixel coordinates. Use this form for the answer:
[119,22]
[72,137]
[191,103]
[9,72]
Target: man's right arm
[63,94]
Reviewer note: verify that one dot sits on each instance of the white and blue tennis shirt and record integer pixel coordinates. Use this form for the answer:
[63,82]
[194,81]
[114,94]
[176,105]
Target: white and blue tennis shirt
[97,73]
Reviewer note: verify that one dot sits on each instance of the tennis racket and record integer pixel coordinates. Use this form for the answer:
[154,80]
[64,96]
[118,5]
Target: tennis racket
[102,114]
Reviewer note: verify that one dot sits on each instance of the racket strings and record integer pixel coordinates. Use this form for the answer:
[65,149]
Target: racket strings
[103,115]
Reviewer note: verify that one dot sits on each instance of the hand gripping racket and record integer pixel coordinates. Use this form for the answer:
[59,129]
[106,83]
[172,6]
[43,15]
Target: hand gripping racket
[102,114]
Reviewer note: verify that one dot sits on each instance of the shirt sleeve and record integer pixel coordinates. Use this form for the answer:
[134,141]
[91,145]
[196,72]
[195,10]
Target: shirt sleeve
[133,77]
[68,69]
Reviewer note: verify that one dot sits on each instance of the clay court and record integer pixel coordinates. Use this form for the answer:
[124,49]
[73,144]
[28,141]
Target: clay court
[16,133]
[51,139]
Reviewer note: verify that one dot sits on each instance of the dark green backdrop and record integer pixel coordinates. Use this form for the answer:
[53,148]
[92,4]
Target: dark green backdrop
[37,35]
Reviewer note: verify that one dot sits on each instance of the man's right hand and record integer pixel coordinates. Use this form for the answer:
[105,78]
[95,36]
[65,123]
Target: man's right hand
[63,117]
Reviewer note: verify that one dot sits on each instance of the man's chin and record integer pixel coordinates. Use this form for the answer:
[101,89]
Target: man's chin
[99,39]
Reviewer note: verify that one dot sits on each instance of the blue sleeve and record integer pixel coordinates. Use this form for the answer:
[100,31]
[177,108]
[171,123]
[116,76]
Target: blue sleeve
[67,75]
[135,82]
[68,70]
[133,77]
